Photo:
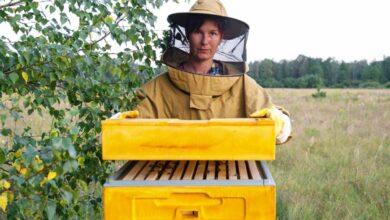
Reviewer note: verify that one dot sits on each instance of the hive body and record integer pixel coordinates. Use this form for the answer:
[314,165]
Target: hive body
[172,173]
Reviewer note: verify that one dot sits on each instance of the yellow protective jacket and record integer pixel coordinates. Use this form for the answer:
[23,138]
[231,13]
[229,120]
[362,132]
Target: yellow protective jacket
[183,95]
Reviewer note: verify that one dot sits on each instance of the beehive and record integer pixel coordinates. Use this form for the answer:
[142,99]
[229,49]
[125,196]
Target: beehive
[172,139]
[154,187]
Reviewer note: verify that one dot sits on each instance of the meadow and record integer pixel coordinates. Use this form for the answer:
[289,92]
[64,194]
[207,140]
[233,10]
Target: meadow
[337,165]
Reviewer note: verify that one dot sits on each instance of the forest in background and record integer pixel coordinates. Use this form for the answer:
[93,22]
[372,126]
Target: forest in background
[307,72]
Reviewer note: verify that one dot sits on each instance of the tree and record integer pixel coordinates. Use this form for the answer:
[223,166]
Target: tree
[330,67]
[373,72]
[312,72]
[315,67]
[60,68]
[386,68]
[301,64]
[266,69]
[344,74]
[312,81]
[254,70]
[357,71]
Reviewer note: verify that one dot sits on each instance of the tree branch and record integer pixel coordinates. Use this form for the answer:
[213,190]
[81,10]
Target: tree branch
[100,39]
[8,71]
[9,4]
[119,19]
[4,169]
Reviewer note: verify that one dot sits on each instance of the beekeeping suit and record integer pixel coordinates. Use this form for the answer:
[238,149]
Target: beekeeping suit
[186,95]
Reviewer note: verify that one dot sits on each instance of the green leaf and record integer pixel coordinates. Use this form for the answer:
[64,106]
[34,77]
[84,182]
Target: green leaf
[67,142]
[67,196]
[108,19]
[70,166]
[29,154]
[2,156]
[6,131]
[134,38]
[147,39]
[52,9]
[35,5]
[46,155]
[51,210]
[133,77]
[14,77]
[3,118]
[83,185]
[73,112]
[63,18]
[26,102]
[56,142]
[19,180]
[74,130]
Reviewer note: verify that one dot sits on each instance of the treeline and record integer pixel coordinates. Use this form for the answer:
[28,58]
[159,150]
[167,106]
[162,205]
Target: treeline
[306,72]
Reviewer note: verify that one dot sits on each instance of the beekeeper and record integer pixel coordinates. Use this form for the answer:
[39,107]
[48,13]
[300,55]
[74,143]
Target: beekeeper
[206,75]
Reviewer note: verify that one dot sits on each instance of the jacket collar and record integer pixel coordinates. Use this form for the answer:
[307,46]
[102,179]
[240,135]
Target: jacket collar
[201,88]
[199,84]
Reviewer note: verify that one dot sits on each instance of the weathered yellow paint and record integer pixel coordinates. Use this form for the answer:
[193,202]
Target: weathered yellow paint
[189,202]
[173,139]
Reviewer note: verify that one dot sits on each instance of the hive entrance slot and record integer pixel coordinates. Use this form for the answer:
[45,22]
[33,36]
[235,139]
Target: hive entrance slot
[190,214]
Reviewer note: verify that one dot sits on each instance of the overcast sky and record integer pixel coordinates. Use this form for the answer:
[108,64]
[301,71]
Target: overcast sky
[282,29]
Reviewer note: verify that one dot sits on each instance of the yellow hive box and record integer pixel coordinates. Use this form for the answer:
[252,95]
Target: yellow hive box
[218,190]
[173,139]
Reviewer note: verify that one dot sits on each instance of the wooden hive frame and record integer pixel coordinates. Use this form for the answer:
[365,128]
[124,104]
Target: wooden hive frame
[196,172]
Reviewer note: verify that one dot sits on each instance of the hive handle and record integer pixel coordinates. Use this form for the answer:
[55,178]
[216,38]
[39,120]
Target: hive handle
[188,199]
[188,214]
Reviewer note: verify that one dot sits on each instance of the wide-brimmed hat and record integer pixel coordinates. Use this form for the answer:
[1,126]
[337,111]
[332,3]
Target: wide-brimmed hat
[214,8]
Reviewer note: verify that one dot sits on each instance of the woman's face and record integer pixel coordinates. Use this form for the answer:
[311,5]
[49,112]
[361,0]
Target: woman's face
[204,41]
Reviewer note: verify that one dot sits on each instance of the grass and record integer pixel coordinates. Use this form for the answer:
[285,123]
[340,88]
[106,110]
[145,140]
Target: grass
[337,166]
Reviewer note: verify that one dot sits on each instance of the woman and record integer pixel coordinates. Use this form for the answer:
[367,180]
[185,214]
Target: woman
[204,38]
[206,73]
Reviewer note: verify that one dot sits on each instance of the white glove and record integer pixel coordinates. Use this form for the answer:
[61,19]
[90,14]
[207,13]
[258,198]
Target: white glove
[282,122]
[116,116]
[126,115]
[286,130]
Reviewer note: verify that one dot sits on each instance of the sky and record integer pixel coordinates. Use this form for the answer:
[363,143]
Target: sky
[345,30]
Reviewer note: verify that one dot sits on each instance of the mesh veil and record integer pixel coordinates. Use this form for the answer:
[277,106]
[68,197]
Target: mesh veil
[229,50]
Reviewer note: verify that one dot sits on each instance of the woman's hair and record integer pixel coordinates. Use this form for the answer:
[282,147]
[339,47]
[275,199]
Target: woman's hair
[196,21]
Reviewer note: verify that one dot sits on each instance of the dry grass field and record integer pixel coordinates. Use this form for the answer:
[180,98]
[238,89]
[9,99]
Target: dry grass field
[337,166]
